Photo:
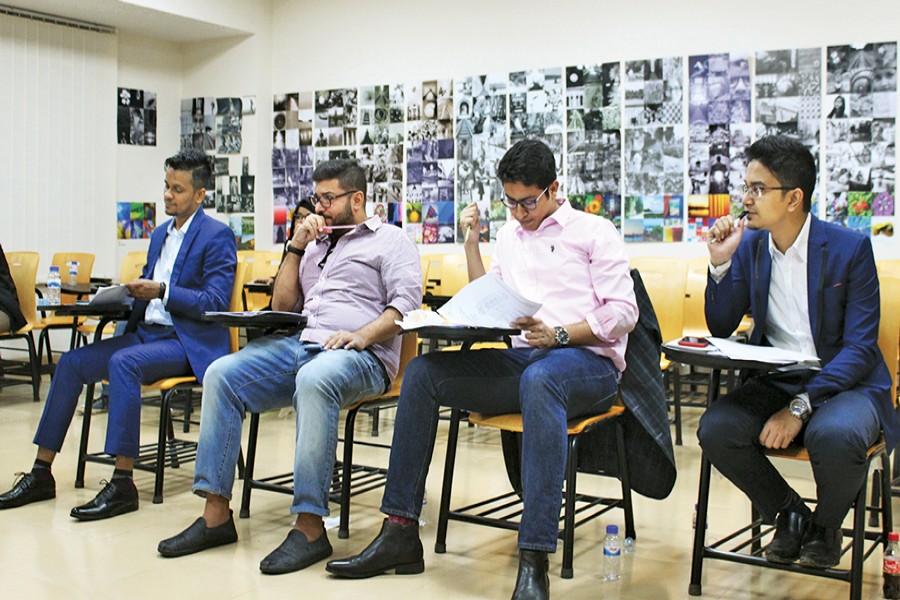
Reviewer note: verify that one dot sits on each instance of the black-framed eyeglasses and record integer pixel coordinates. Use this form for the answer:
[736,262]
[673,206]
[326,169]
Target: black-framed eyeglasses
[757,191]
[327,199]
[527,204]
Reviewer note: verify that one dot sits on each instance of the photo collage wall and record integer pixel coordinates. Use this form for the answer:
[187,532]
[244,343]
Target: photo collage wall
[136,117]
[658,147]
[214,125]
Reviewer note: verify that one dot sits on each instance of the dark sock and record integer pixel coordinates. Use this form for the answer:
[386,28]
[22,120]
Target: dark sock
[40,467]
[122,474]
[402,521]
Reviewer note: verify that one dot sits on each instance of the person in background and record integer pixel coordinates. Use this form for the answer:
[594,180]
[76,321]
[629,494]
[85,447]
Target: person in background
[11,317]
[190,269]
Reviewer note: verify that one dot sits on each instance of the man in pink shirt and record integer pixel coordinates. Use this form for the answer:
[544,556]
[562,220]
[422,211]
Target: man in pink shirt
[352,277]
[566,364]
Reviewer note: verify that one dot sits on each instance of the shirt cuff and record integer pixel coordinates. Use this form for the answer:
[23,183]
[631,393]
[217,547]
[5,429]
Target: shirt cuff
[718,273]
[165,298]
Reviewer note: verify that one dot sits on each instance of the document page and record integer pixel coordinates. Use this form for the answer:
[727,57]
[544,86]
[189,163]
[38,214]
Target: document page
[487,302]
[114,294]
[766,354]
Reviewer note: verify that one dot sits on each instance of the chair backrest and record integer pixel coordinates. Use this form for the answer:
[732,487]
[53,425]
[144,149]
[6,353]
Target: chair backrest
[23,267]
[889,328]
[409,349]
[694,297]
[434,269]
[424,262]
[666,283]
[454,274]
[85,268]
[132,266]
[260,265]
[237,302]
[888,268]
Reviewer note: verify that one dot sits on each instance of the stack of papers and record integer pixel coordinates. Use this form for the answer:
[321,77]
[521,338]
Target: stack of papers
[110,296]
[485,302]
[761,354]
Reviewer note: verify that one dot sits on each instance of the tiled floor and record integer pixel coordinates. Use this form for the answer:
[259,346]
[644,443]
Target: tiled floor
[46,554]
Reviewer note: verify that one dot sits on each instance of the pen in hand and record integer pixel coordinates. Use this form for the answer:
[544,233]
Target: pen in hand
[740,216]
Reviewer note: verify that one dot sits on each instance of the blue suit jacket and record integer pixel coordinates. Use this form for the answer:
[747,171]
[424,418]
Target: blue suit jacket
[844,312]
[202,279]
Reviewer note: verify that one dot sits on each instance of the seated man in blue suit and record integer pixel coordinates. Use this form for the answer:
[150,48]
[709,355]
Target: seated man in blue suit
[190,270]
[812,288]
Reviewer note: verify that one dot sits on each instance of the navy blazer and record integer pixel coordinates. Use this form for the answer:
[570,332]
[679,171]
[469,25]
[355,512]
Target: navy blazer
[844,312]
[202,279]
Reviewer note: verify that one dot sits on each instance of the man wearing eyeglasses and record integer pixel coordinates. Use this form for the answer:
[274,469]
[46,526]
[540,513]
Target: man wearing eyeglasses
[812,288]
[352,277]
[566,364]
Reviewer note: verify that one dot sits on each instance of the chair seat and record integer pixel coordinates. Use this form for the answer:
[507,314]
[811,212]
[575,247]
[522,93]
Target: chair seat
[796,452]
[168,383]
[91,328]
[513,421]
[25,329]
[54,321]
[478,346]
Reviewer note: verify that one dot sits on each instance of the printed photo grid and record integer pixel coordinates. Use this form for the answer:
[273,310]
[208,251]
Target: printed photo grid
[292,158]
[136,117]
[382,129]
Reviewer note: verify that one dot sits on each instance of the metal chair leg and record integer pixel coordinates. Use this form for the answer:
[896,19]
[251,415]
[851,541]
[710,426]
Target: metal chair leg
[440,544]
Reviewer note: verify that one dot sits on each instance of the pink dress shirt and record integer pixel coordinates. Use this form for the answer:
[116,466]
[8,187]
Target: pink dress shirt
[575,265]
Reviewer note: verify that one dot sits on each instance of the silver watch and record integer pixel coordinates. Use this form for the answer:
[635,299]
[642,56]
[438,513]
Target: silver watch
[562,336]
[800,409]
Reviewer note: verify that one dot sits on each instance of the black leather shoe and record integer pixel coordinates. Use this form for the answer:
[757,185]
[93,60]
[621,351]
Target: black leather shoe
[295,553]
[29,488]
[822,548]
[533,581]
[113,500]
[396,548]
[199,537]
[790,529]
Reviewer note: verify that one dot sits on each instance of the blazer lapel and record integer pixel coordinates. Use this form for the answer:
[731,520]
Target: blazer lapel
[189,238]
[762,269]
[817,257]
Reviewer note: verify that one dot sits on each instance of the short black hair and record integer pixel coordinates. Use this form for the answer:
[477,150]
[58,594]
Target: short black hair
[346,170]
[307,204]
[197,163]
[789,161]
[529,162]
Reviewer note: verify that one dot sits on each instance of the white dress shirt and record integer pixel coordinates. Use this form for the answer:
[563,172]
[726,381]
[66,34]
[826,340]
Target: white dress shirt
[156,311]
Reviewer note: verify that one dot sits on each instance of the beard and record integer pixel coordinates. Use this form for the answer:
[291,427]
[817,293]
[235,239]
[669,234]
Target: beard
[345,217]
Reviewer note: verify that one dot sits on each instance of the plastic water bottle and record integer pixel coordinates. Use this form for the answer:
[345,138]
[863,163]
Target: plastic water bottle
[54,283]
[73,272]
[612,554]
[891,587]
[628,545]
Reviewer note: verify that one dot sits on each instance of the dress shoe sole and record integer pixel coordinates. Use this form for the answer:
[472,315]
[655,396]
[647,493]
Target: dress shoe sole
[413,568]
[813,564]
[115,512]
[24,501]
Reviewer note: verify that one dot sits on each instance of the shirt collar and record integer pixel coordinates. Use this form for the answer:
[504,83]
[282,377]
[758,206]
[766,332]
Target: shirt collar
[561,216]
[801,244]
[184,228]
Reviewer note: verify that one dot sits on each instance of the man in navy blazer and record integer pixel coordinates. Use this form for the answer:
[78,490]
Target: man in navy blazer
[811,287]
[190,269]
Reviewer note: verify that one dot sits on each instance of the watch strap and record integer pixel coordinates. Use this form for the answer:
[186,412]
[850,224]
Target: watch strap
[294,250]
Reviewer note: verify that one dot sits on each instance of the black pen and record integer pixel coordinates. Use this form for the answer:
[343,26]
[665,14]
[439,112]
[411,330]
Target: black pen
[740,216]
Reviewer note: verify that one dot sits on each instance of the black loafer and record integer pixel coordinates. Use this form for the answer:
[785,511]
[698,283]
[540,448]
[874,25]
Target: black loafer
[116,498]
[396,548]
[533,579]
[199,537]
[822,548]
[790,529]
[29,488]
[296,553]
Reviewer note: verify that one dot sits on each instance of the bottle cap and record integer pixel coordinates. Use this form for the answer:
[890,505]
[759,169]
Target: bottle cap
[54,268]
[894,536]
[613,529]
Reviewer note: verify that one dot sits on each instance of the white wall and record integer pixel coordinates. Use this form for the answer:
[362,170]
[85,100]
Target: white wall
[351,43]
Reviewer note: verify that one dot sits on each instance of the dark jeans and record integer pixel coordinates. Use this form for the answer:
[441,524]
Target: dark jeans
[546,386]
[837,437]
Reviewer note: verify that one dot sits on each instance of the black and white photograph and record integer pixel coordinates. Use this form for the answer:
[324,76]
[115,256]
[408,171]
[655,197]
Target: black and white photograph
[228,125]
[336,118]
[536,110]
[136,117]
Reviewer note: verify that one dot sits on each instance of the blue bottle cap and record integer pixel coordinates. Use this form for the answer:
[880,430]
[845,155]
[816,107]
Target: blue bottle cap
[613,529]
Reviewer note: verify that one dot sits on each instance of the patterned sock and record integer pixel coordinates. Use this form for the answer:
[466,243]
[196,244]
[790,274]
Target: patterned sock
[401,521]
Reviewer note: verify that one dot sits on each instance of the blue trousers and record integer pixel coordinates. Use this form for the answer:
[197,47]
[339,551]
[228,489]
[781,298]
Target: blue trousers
[546,386]
[152,352]
[272,372]
[837,437]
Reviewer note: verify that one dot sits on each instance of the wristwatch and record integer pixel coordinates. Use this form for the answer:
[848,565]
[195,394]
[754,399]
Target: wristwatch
[562,336]
[295,250]
[162,290]
[800,408]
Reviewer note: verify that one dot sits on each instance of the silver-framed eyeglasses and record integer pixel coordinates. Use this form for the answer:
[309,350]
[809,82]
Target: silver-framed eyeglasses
[527,204]
[327,199]
[757,191]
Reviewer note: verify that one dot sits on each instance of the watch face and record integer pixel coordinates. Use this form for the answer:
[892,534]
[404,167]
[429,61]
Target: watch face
[562,336]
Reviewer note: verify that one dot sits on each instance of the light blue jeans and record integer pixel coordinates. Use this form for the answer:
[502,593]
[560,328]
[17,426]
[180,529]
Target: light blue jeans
[276,371]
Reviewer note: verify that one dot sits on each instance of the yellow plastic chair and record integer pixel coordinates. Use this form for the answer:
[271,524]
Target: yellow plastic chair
[46,323]
[23,268]
[167,450]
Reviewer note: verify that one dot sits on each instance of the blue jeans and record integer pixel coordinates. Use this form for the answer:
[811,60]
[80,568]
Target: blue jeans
[273,372]
[546,386]
[837,437]
[152,352]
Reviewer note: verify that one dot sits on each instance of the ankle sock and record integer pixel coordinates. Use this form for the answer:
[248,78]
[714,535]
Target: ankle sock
[402,521]
[41,465]
[122,474]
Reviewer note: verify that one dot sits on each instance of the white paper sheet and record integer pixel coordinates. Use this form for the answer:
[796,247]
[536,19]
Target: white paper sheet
[113,294]
[766,354]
